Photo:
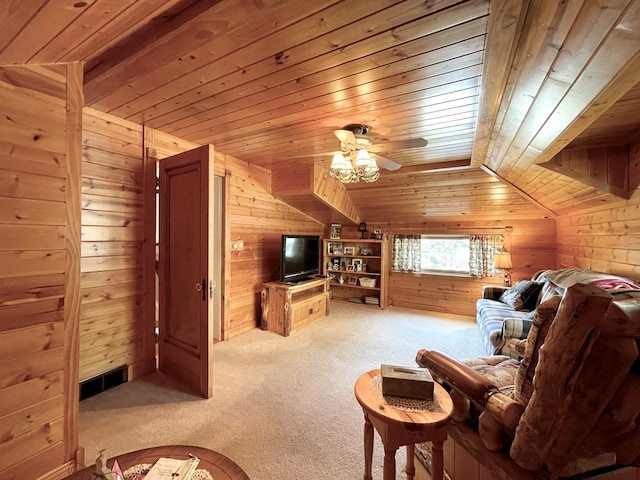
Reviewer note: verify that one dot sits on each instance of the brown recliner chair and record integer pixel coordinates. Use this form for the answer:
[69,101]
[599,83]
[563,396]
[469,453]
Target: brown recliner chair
[574,403]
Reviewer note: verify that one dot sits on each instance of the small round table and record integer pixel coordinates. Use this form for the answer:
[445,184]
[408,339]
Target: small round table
[219,466]
[401,421]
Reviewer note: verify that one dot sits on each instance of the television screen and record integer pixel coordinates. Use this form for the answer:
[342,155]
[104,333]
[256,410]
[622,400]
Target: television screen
[300,257]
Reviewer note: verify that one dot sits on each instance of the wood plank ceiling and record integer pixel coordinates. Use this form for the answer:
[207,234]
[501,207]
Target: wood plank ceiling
[498,85]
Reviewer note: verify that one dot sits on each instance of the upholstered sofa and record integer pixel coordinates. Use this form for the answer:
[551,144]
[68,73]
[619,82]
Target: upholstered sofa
[568,407]
[505,315]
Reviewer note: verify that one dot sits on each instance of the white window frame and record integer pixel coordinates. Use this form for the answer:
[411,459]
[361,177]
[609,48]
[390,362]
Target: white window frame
[451,237]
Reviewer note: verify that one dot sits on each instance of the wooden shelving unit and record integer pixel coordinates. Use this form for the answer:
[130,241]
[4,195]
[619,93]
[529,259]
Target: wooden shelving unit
[341,258]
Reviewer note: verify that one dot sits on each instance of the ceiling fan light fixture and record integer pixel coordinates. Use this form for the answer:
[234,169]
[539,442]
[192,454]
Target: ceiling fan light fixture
[366,168]
[338,161]
[354,163]
[363,159]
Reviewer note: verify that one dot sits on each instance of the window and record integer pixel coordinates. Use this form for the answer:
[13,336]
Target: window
[445,253]
[456,254]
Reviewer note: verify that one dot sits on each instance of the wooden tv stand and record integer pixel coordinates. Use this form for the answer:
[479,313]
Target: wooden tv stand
[287,307]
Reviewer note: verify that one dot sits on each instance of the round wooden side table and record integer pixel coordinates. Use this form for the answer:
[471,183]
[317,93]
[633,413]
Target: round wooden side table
[219,466]
[402,421]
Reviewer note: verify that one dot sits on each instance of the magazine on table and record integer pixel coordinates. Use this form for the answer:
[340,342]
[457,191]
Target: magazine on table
[171,469]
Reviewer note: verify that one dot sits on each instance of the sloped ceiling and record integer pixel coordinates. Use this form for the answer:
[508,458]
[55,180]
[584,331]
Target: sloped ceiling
[502,85]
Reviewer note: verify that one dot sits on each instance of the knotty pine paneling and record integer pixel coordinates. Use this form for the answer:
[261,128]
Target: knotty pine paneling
[112,244]
[604,239]
[532,247]
[39,281]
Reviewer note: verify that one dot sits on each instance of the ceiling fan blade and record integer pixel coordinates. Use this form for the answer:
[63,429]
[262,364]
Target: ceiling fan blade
[347,138]
[399,145]
[385,162]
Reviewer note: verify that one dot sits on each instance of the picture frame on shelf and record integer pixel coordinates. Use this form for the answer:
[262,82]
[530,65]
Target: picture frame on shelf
[334,248]
[366,251]
[376,234]
[349,250]
[336,230]
[351,268]
[353,280]
[357,263]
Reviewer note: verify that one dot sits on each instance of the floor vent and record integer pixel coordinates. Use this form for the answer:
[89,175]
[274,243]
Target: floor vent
[105,381]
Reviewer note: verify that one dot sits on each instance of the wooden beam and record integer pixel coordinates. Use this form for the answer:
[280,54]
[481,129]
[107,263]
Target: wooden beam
[518,191]
[72,300]
[505,24]
[154,31]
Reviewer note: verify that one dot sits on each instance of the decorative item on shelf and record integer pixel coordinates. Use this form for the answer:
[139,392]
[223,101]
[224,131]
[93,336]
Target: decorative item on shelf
[502,261]
[349,250]
[376,234]
[368,282]
[364,251]
[336,230]
[357,264]
[334,249]
[362,228]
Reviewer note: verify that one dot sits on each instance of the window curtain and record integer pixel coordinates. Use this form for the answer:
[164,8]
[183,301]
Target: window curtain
[481,250]
[406,253]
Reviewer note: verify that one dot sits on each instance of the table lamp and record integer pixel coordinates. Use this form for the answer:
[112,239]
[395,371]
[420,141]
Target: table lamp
[502,261]
[363,228]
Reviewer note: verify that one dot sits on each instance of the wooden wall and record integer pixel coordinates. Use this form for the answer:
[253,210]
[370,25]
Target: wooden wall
[111,328]
[40,164]
[604,238]
[117,303]
[532,247]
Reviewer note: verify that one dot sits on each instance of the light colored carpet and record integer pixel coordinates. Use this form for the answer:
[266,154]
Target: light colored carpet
[283,408]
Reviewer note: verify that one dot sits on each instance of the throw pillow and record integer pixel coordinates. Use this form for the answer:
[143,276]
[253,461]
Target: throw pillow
[522,296]
[544,316]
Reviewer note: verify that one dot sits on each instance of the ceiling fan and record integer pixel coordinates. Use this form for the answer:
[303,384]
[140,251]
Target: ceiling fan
[353,138]
[358,157]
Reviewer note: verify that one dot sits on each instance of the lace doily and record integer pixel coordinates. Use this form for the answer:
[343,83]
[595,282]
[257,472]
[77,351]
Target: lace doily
[401,403]
[132,473]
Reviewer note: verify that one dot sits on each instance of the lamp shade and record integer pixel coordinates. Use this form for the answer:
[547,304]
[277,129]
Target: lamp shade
[502,260]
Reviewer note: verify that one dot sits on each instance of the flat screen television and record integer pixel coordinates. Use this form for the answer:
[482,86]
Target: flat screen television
[300,257]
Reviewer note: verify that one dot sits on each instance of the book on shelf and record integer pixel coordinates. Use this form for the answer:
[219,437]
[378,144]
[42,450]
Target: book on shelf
[372,300]
[172,469]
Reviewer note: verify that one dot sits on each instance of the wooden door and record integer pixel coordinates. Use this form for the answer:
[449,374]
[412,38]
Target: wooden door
[186,269]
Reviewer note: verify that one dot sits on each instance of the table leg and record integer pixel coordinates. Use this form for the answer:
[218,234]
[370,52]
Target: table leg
[368,446]
[410,468]
[389,471]
[437,463]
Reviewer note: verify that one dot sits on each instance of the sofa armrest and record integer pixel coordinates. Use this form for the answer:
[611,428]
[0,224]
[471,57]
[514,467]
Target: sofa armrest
[469,382]
[493,292]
